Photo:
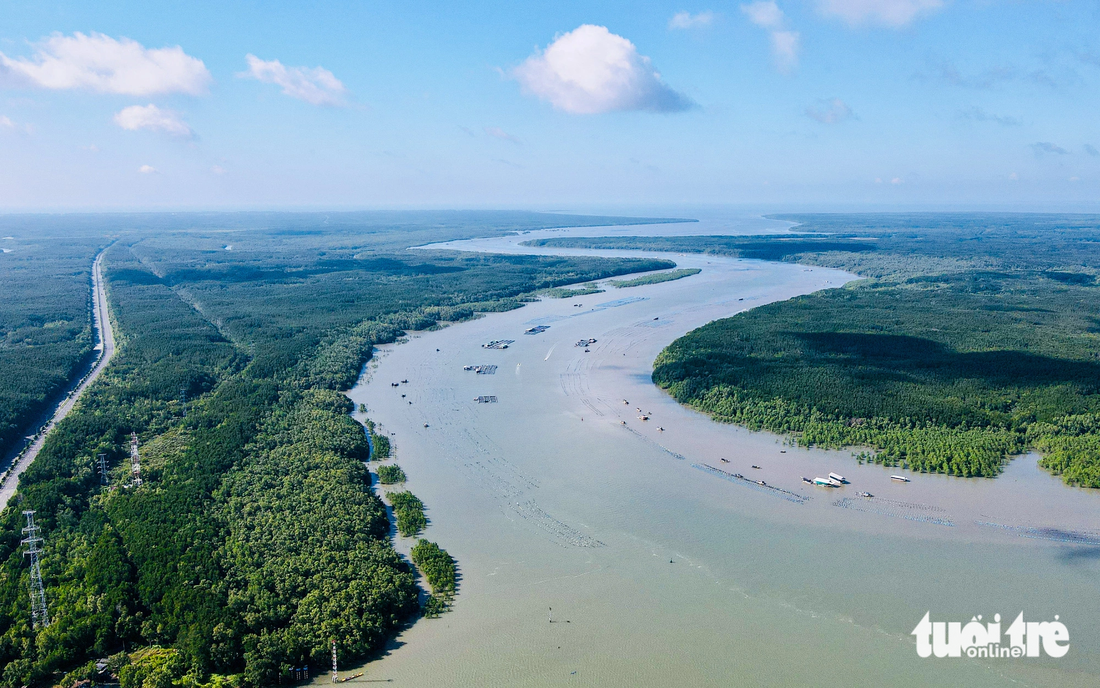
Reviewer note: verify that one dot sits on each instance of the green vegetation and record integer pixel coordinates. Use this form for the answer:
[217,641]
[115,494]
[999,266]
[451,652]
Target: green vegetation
[656,278]
[380,447]
[255,537]
[439,568]
[409,513]
[566,293]
[46,334]
[976,339]
[390,475]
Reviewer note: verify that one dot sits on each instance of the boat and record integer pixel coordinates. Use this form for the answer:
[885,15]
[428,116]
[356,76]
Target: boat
[724,460]
[807,480]
[756,467]
[738,475]
[833,482]
[425,425]
[824,482]
[404,382]
[761,483]
[659,429]
[899,478]
[866,494]
[837,476]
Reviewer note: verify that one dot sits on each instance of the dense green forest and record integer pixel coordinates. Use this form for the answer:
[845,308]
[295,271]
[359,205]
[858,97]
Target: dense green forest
[45,323]
[976,338]
[255,536]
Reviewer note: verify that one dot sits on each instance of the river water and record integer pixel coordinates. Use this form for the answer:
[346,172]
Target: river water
[662,572]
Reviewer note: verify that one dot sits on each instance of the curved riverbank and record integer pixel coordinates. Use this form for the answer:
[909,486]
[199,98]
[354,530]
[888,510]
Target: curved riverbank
[662,573]
[105,336]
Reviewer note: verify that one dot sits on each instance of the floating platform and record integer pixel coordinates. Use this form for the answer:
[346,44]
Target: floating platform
[486,399]
[537,329]
[498,344]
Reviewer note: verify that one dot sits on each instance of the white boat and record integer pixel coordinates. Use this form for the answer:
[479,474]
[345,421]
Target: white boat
[824,482]
[837,476]
[899,478]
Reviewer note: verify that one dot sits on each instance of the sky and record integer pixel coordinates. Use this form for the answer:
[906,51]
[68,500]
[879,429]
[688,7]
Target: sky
[786,104]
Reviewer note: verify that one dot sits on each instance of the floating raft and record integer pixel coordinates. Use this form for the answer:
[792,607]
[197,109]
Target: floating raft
[486,399]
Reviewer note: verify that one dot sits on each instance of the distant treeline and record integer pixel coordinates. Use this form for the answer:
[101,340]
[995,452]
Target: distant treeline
[255,538]
[975,340]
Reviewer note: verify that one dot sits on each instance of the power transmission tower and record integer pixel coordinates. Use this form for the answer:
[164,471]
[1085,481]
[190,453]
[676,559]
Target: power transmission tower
[183,400]
[39,615]
[102,469]
[135,462]
[335,674]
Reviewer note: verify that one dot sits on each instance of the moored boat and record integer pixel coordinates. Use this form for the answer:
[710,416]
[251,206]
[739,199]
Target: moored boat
[899,478]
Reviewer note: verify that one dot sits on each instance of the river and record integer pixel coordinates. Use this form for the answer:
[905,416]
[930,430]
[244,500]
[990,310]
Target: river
[662,572]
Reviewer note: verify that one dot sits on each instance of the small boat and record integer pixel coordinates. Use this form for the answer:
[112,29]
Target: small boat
[899,478]
[761,483]
[425,425]
[756,467]
[782,451]
[823,482]
[866,494]
[404,382]
[724,460]
[402,396]
[622,422]
[660,429]
[643,417]
[837,476]
[738,475]
[807,480]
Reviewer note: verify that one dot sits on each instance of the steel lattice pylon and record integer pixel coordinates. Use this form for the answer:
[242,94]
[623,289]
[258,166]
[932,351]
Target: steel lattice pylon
[39,614]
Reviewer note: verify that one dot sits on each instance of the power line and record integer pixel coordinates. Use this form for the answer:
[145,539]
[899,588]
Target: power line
[135,461]
[39,615]
[335,673]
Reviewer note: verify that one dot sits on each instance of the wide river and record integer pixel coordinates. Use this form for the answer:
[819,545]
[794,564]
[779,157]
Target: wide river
[662,572]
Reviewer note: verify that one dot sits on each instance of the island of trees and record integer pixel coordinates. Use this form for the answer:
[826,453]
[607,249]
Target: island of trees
[973,338]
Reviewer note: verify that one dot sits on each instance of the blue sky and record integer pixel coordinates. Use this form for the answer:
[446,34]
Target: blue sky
[807,103]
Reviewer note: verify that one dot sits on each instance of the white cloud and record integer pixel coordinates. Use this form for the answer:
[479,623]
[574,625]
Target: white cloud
[152,118]
[217,169]
[147,169]
[767,15]
[498,133]
[9,124]
[764,13]
[104,64]
[830,111]
[687,20]
[591,70]
[316,85]
[882,12]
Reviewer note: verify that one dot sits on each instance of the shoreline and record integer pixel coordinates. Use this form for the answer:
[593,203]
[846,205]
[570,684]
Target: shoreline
[544,499]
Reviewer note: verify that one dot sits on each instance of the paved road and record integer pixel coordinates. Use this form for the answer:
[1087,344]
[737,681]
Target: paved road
[106,337]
